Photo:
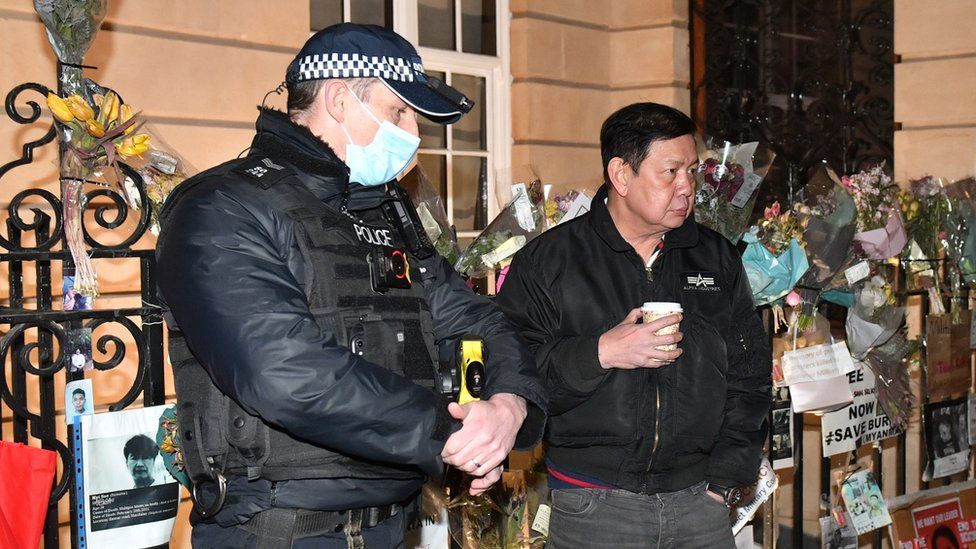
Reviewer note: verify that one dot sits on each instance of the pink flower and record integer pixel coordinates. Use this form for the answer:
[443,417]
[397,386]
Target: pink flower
[772,212]
[793,299]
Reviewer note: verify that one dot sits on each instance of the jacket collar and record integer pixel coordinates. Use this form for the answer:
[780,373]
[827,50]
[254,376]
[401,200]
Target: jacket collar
[685,236]
[316,163]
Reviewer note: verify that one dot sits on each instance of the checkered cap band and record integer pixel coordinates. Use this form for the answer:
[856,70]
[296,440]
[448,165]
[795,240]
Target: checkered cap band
[354,65]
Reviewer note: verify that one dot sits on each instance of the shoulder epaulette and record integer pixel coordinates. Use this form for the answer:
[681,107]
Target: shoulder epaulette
[262,171]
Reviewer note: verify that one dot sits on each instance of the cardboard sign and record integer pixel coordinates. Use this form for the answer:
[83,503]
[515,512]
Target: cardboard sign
[946,514]
[816,363]
[948,358]
[861,422]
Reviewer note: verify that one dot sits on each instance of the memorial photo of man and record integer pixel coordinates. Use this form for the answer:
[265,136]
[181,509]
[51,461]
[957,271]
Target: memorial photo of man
[80,401]
[647,446]
[140,454]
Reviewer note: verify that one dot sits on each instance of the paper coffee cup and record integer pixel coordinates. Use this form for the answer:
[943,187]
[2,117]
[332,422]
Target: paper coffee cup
[653,310]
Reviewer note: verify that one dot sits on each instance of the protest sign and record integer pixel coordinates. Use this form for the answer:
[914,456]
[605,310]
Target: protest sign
[861,422]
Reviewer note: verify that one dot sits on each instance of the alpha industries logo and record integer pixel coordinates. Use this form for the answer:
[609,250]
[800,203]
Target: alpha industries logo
[259,172]
[700,282]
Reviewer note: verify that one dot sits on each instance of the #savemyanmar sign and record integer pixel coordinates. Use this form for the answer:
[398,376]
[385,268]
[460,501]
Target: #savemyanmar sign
[861,422]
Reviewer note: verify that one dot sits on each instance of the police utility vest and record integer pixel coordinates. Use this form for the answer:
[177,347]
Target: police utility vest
[393,329]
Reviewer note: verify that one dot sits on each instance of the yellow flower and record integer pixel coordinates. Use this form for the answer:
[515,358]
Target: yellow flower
[79,107]
[125,114]
[59,108]
[109,111]
[95,128]
[133,146]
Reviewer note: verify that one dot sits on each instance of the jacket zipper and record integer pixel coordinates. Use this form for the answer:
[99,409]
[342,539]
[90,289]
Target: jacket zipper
[657,393]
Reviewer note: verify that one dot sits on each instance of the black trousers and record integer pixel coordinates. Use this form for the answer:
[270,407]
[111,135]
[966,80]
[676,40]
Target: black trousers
[385,535]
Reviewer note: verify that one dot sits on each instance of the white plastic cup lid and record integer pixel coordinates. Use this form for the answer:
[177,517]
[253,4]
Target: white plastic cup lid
[661,307]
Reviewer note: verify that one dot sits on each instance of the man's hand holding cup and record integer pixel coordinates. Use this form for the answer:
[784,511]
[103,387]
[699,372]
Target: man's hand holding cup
[652,344]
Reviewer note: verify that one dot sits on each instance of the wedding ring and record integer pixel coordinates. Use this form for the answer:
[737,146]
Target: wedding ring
[476,464]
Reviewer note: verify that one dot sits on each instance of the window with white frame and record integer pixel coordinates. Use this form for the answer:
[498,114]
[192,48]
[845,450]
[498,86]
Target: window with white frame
[462,43]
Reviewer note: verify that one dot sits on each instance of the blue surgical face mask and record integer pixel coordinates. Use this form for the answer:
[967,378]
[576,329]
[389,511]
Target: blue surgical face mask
[385,157]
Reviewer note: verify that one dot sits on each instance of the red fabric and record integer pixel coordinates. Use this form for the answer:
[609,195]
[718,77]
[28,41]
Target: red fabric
[27,475]
[572,480]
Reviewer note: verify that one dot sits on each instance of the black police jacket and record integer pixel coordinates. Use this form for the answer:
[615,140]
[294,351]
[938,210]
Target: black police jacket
[644,430]
[230,276]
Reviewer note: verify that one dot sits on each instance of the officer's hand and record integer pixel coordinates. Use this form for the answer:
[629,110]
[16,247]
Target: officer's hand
[629,345]
[480,484]
[487,434]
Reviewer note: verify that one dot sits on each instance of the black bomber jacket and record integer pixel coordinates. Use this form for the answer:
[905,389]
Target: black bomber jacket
[644,430]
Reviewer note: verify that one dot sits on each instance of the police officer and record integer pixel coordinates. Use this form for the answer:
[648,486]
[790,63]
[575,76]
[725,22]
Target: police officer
[306,314]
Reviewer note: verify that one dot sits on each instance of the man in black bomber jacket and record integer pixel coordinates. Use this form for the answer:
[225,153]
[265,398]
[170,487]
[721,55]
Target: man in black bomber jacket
[646,447]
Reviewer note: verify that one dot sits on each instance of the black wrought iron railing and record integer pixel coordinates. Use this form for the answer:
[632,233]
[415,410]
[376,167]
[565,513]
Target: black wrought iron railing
[35,328]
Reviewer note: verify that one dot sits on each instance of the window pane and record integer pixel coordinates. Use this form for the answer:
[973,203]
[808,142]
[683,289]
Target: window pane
[470,133]
[478,26]
[372,12]
[325,13]
[436,23]
[470,188]
[432,135]
[435,166]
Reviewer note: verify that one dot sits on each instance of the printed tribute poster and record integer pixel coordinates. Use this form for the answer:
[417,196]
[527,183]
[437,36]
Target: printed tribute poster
[782,450]
[947,438]
[130,498]
[864,502]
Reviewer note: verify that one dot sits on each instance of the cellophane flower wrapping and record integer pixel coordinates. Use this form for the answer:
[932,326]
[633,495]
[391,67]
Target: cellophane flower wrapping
[880,229]
[875,335]
[829,218]
[162,169]
[774,258]
[521,220]
[728,177]
[958,233]
[71,26]
[430,209]
[923,206]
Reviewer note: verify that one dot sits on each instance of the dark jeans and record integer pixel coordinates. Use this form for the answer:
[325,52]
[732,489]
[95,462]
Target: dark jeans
[385,535]
[688,518]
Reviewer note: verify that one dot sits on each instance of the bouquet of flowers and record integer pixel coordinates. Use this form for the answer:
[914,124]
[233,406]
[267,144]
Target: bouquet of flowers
[774,259]
[924,206]
[431,211]
[875,335]
[95,136]
[881,230]
[557,206]
[522,219]
[829,219]
[71,27]
[727,178]
[161,172]
[958,233]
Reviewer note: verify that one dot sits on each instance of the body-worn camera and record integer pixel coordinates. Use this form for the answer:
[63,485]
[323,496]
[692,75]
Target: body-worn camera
[401,214]
[388,268]
[463,379]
